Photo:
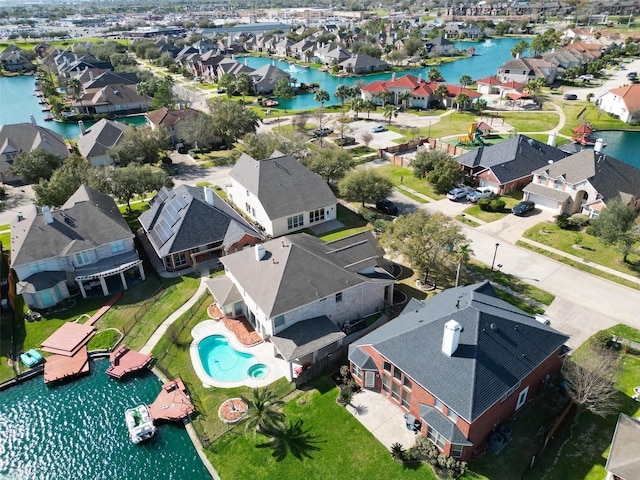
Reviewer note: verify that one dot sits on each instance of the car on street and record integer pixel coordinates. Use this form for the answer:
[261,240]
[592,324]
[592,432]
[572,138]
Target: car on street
[523,208]
[322,132]
[378,128]
[479,193]
[632,75]
[570,96]
[387,206]
[586,77]
[457,193]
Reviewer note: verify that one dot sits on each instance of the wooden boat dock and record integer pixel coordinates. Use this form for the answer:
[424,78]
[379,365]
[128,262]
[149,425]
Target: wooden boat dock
[173,402]
[59,367]
[124,360]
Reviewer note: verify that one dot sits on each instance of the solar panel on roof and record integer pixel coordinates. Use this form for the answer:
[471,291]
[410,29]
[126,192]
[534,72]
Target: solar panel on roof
[164,232]
[162,195]
[171,214]
[182,201]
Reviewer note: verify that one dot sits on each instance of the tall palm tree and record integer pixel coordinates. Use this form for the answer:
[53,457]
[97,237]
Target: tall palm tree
[464,253]
[404,97]
[442,91]
[462,101]
[433,75]
[369,106]
[389,112]
[74,86]
[465,80]
[342,93]
[321,96]
[385,96]
[263,410]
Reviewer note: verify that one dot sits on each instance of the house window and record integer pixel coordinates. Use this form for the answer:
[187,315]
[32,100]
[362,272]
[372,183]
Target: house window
[456,450]
[279,321]
[439,405]
[117,247]
[357,372]
[316,215]
[395,391]
[247,208]
[397,373]
[437,439]
[338,297]
[82,258]
[453,416]
[522,398]
[37,266]
[386,381]
[386,366]
[407,383]
[559,184]
[295,222]
[179,259]
[406,399]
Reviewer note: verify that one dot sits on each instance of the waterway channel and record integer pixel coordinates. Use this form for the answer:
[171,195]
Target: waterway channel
[77,431]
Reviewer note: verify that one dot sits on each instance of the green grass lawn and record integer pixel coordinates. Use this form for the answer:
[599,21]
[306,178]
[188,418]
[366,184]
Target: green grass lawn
[578,113]
[531,121]
[626,332]
[511,199]
[592,250]
[403,177]
[352,223]
[456,123]
[337,446]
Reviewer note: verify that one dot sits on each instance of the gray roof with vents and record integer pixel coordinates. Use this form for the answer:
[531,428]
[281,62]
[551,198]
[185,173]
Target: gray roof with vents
[499,346]
[303,338]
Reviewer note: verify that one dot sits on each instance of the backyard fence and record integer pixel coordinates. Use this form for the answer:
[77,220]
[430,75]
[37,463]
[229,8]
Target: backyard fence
[403,154]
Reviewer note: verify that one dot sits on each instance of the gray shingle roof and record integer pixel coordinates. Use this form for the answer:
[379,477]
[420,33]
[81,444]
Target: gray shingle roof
[623,460]
[27,137]
[223,290]
[499,346]
[87,220]
[283,185]
[101,138]
[514,158]
[609,176]
[546,192]
[300,269]
[306,337]
[445,427]
[181,219]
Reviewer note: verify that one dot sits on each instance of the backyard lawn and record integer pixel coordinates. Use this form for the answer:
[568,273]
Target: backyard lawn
[584,246]
[531,121]
[403,177]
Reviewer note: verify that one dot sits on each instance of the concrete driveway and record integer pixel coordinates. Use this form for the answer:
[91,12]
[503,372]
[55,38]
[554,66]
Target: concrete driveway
[618,78]
[380,139]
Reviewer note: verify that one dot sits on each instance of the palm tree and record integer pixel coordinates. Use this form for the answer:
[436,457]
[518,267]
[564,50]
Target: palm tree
[481,104]
[465,80]
[389,112]
[262,410]
[290,438]
[442,91]
[464,252]
[462,100]
[369,106]
[404,97]
[357,105]
[74,85]
[322,96]
[385,96]
[397,452]
[433,75]
[342,93]
[144,89]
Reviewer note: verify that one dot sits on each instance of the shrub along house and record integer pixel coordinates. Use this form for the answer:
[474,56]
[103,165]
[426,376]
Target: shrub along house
[461,363]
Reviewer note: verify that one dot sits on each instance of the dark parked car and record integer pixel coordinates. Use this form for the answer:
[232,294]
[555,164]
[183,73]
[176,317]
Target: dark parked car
[570,96]
[322,132]
[387,206]
[522,208]
[343,141]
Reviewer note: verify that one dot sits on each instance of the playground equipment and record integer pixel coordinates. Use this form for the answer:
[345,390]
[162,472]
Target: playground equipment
[473,136]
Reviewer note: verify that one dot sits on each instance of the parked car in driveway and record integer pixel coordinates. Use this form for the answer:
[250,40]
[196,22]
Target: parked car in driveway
[479,193]
[379,128]
[570,96]
[523,208]
[322,132]
[457,193]
[387,206]
[343,141]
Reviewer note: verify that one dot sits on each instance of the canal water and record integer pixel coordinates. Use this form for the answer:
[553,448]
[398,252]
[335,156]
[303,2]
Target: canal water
[77,431]
[490,54]
[623,146]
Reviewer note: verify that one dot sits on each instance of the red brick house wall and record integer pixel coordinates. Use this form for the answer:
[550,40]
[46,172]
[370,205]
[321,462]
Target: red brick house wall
[478,431]
[246,239]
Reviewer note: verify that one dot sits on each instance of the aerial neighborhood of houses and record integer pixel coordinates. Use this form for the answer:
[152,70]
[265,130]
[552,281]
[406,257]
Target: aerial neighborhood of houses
[356,225]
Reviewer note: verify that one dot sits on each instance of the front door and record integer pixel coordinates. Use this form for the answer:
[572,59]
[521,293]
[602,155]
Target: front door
[369,379]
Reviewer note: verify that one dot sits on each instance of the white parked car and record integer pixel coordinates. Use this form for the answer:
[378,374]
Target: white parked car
[378,128]
[479,193]
[457,193]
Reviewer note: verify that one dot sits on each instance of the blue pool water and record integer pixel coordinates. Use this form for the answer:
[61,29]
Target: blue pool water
[224,363]
[77,431]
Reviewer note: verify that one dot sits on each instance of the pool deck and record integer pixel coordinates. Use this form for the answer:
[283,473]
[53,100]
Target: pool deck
[263,353]
[239,326]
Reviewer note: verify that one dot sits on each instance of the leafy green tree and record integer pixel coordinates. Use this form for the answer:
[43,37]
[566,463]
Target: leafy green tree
[284,91]
[519,48]
[227,82]
[364,185]
[135,179]
[412,45]
[74,171]
[321,96]
[445,174]
[425,161]
[231,120]
[262,145]
[433,75]
[244,85]
[35,165]
[465,80]
[330,163]
[198,130]
[263,410]
[140,145]
[164,96]
[389,111]
[396,56]
[617,226]
[425,240]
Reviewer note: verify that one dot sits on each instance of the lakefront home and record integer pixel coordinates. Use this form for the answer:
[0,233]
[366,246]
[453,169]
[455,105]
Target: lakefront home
[459,364]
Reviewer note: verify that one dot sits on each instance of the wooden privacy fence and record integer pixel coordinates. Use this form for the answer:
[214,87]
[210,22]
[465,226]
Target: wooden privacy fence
[397,154]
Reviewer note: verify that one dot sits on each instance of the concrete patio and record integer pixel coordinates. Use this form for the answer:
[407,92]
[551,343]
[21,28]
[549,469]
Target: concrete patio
[382,418]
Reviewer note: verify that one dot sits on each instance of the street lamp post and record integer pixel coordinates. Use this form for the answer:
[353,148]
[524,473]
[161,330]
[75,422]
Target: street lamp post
[494,256]
[429,134]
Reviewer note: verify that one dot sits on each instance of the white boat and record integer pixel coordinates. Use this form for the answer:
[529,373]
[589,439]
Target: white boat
[139,423]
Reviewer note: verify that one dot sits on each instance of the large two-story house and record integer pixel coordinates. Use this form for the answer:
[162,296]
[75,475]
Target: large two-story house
[84,245]
[461,363]
[523,69]
[584,183]
[281,194]
[623,102]
[298,290]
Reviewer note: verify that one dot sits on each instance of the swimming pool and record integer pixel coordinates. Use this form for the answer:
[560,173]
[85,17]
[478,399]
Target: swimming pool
[224,363]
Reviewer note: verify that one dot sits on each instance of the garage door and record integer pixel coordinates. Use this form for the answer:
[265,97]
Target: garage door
[543,202]
[486,183]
